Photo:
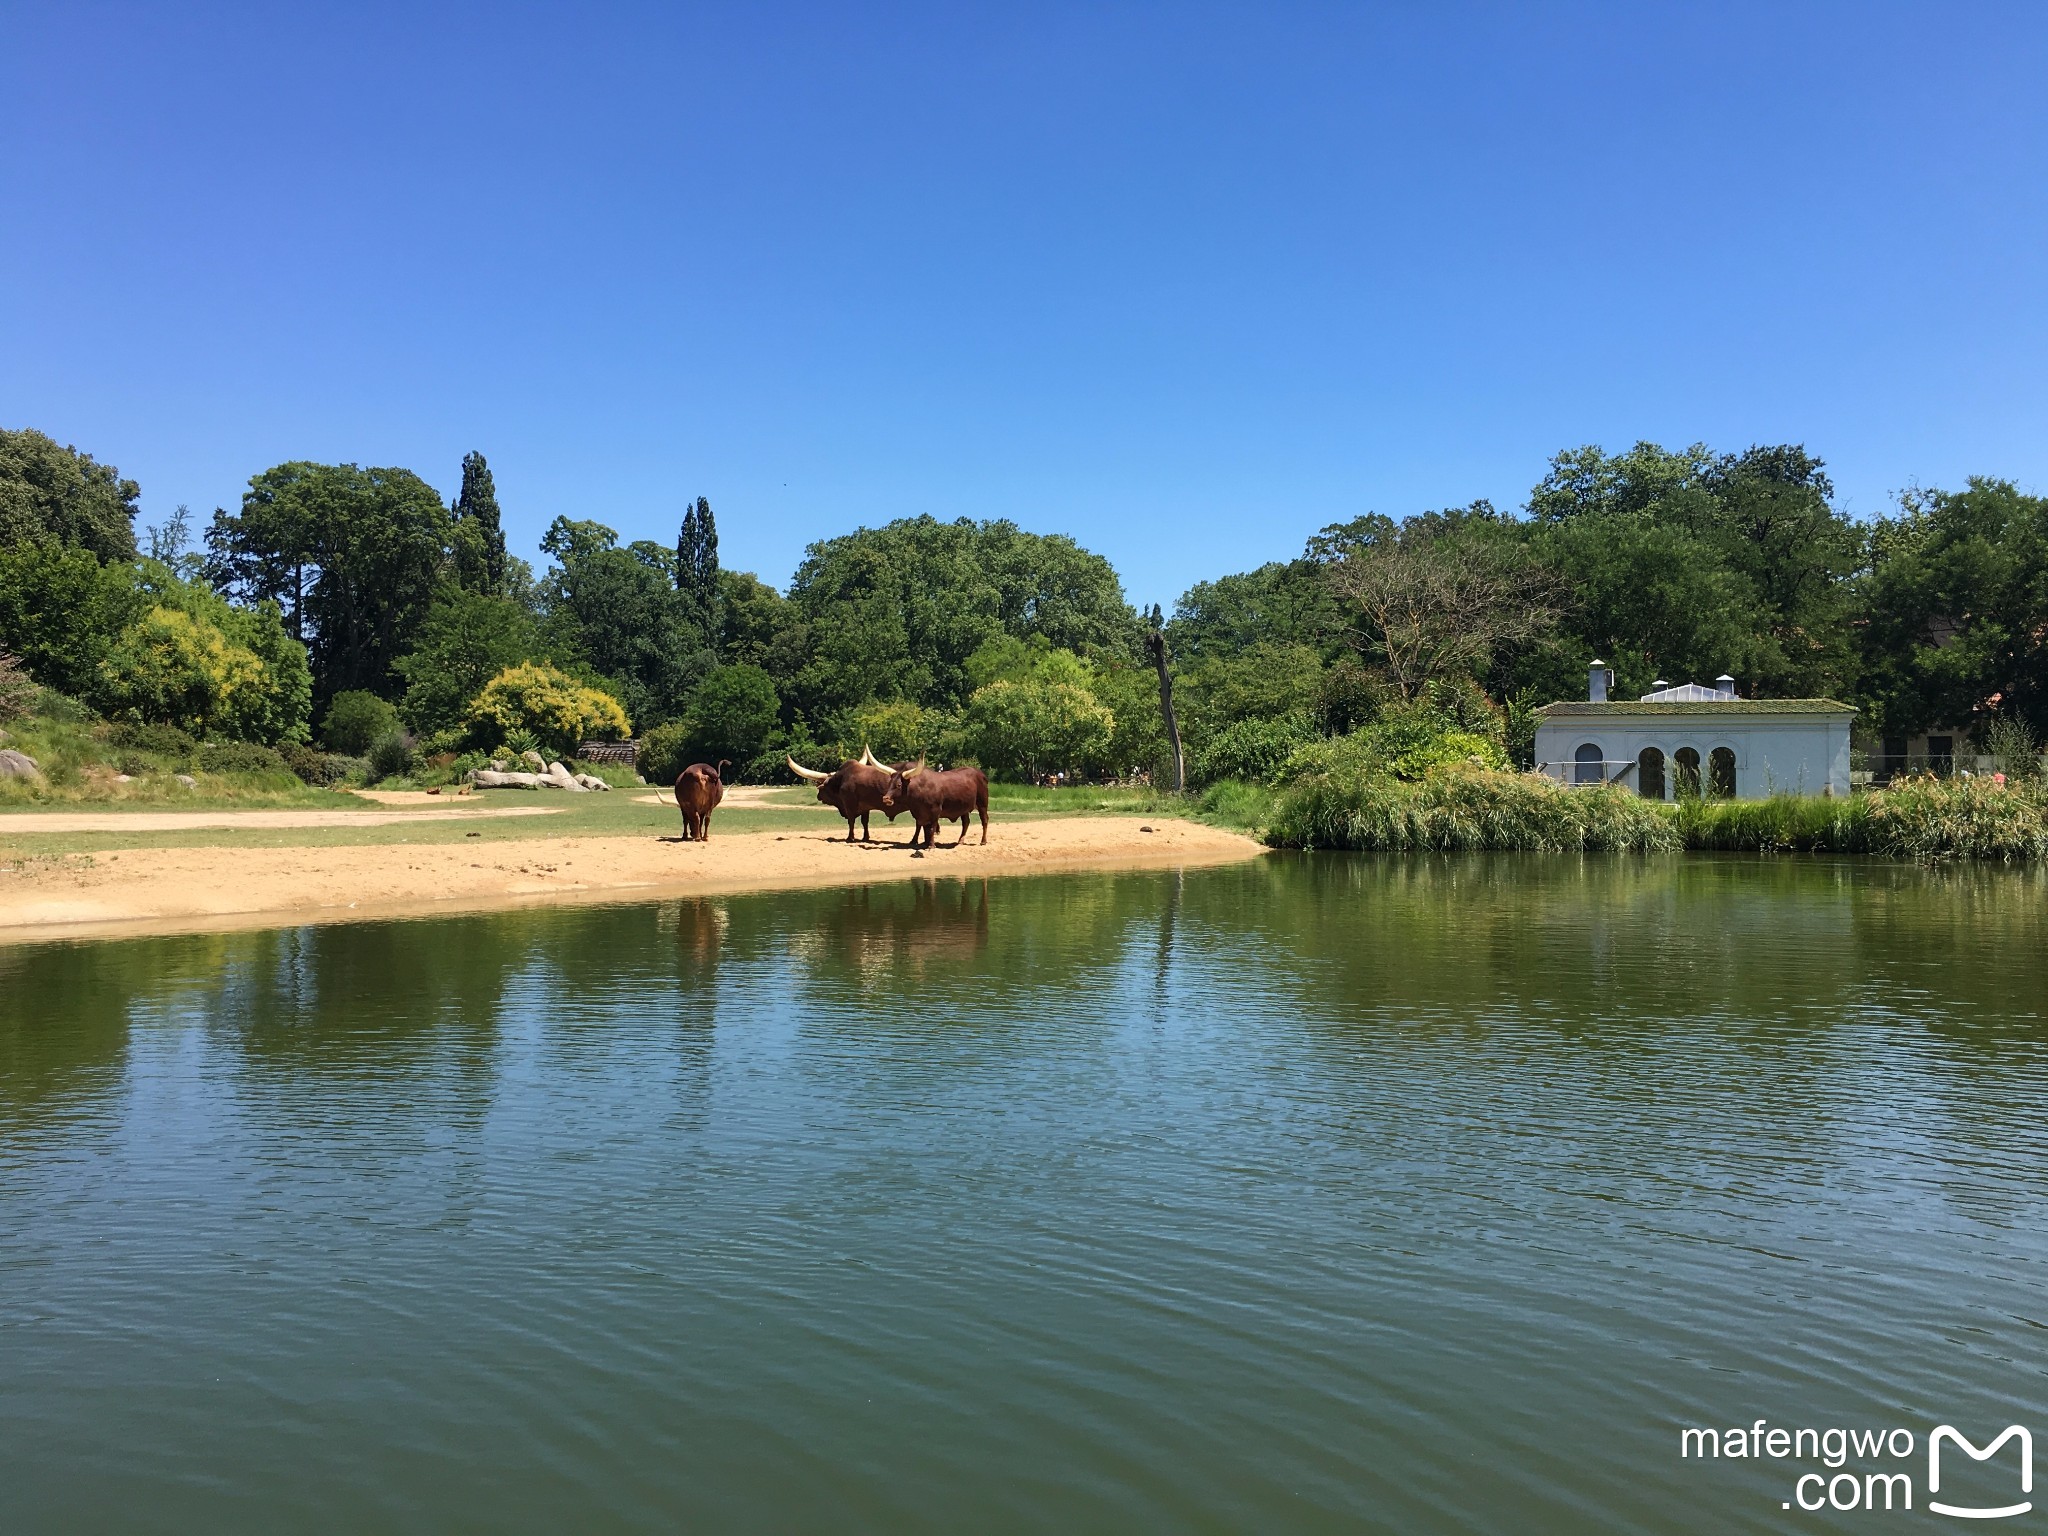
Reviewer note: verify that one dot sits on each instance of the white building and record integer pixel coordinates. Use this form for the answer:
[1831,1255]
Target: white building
[1693,739]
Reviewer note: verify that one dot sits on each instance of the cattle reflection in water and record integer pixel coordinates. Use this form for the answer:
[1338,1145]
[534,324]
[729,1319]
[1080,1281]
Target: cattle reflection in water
[700,927]
[893,930]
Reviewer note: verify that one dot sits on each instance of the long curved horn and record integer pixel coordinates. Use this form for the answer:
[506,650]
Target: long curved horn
[805,773]
[867,756]
[915,768]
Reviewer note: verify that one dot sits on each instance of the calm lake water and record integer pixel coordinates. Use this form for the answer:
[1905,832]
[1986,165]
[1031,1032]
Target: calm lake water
[1316,1194]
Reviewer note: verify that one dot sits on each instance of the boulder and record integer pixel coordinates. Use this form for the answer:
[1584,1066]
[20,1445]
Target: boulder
[18,765]
[592,781]
[485,778]
[187,780]
[540,764]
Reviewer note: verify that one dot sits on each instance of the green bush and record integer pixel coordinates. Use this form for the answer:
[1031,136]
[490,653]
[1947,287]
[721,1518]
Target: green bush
[17,690]
[1467,809]
[1250,749]
[664,752]
[240,757]
[732,713]
[322,770]
[165,741]
[548,703]
[2013,748]
[391,755]
[354,720]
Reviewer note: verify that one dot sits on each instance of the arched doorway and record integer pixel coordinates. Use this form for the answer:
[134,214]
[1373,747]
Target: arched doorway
[1721,773]
[1687,761]
[1650,773]
[1586,765]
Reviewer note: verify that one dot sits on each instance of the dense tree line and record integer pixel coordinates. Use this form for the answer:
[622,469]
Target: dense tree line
[335,595]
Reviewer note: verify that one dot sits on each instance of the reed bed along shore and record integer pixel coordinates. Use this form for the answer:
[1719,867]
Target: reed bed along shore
[1928,820]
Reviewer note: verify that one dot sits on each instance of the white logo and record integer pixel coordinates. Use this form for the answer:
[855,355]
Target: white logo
[1948,1432]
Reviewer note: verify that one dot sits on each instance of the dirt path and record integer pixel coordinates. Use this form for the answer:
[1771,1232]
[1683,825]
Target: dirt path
[168,889]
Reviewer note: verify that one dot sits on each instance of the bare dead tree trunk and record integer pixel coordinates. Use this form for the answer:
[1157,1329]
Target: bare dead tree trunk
[1156,644]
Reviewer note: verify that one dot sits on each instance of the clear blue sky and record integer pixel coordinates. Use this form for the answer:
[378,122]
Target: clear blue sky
[1187,282]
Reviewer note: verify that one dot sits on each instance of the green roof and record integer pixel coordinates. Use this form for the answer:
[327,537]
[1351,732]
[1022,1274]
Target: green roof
[1587,709]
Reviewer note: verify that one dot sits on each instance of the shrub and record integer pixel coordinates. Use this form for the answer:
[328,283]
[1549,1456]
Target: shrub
[897,729]
[1933,819]
[354,720]
[322,769]
[240,757]
[391,755]
[550,704]
[732,714]
[664,752]
[171,668]
[1025,727]
[2013,748]
[1250,749]
[17,689]
[165,741]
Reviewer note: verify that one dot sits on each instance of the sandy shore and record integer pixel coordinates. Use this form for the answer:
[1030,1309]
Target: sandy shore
[192,821]
[172,889]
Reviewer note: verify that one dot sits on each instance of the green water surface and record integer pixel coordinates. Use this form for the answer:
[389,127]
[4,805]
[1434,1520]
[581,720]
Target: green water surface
[1313,1194]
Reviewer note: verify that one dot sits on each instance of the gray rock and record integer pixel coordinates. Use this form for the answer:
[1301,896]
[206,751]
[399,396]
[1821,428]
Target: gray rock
[540,764]
[187,780]
[485,778]
[18,765]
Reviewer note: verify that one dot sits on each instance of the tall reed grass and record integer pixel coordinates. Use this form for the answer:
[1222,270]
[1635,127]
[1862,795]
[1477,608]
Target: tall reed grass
[1926,820]
[1467,810]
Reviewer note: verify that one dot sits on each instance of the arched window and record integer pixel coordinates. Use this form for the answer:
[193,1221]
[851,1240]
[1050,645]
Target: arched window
[1687,761]
[1586,763]
[1650,774]
[1721,773]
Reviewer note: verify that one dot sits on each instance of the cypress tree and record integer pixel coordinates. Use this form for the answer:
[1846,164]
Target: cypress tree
[697,569]
[480,535]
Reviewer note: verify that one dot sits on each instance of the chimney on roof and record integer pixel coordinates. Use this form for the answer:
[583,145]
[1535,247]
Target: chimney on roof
[1598,680]
[1725,684]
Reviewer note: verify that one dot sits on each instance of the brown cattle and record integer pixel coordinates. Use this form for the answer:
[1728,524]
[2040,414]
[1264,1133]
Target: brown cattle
[854,789]
[933,795]
[699,788]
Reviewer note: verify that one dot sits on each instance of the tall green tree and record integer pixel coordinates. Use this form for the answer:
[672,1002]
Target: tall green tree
[1954,610]
[62,612]
[895,611]
[1683,565]
[467,639]
[697,583]
[618,613]
[351,556]
[479,530]
[49,492]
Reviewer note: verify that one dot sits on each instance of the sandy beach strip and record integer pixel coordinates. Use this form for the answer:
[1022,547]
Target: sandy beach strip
[142,890]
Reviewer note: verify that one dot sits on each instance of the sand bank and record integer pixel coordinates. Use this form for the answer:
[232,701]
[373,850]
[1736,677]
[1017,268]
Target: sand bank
[170,889]
[192,821]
